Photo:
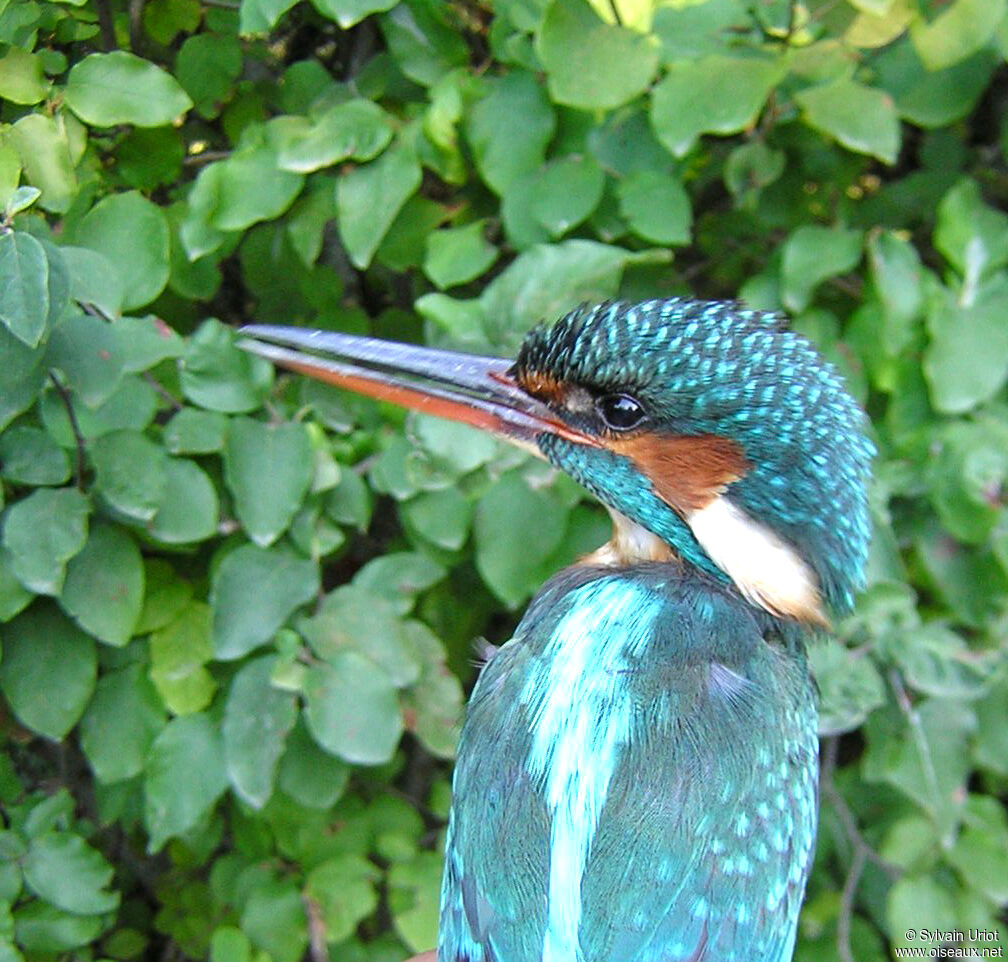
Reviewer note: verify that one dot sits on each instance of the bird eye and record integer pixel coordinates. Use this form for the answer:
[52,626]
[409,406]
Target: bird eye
[620,411]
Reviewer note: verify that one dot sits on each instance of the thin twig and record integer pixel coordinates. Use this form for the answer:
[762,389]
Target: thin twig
[75,427]
[317,950]
[920,738]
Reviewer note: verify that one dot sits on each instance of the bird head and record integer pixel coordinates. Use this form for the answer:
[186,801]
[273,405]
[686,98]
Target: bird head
[713,435]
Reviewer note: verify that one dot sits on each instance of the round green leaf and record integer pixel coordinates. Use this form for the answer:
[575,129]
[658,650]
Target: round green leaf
[346,13]
[44,148]
[22,79]
[351,709]
[368,199]
[656,207]
[307,774]
[861,118]
[24,286]
[30,456]
[191,431]
[218,376]
[506,558]
[188,510]
[48,670]
[103,590]
[509,128]
[132,233]
[254,591]
[566,192]
[267,469]
[344,890]
[716,94]
[105,89]
[185,777]
[42,928]
[811,254]
[356,130]
[179,652]
[63,869]
[22,373]
[257,718]
[592,64]
[129,473]
[86,349]
[122,720]
[42,533]
[456,255]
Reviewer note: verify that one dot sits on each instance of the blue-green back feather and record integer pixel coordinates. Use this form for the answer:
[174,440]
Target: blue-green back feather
[637,777]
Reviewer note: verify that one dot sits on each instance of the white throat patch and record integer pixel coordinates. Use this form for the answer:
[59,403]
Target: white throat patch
[767,570]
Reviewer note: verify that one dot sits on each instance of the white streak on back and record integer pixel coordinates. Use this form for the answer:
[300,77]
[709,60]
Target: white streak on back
[581,718]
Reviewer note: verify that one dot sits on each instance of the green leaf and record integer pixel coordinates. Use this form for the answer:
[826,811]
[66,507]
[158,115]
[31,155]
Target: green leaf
[966,361]
[179,652]
[309,775]
[93,279]
[351,709]
[506,559]
[219,376]
[811,254]
[14,597]
[145,342]
[422,42]
[715,94]
[441,517]
[589,63]
[352,618]
[188,510]
[399,577]
[48,670]
[850,687]
[105,89]
[185,777]
[24,286]
[566,192]
[274,919]
[228,944]
[861,118]
[191,431]
[344,890]
[129,473]
[132,233]
[207,66]
[457,255]
[432,707]
[972,235]
[86,349]
[368,199]
[267,469]
[63,869]
[29,456]
[346,13]
[413,894]
[980,854]
[897,274]
[509,128]
[22,79]
[22,373]
[913,898]
[260,16]
[103,590]
[42,928]
[42,533]
[44,148]
[164,597]
[958,31]
[656,207]
[354,130]
[254,592]
[257,719]
[923,756]
[120,724]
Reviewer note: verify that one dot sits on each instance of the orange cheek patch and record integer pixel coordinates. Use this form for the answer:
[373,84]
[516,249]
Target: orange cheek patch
[687,473]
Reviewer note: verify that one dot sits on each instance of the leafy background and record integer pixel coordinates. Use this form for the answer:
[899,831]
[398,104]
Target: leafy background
[238,609]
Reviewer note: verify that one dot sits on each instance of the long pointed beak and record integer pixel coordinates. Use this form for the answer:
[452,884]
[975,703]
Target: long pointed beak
[468,388]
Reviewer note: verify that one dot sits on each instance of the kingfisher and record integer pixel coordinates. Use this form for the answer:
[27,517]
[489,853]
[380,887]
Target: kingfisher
[636,778]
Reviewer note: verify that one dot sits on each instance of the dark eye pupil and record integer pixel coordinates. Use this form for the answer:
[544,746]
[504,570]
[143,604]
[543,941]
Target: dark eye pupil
[620,411]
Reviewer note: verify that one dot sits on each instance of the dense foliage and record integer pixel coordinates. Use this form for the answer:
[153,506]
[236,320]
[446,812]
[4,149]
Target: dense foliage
[238,610]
